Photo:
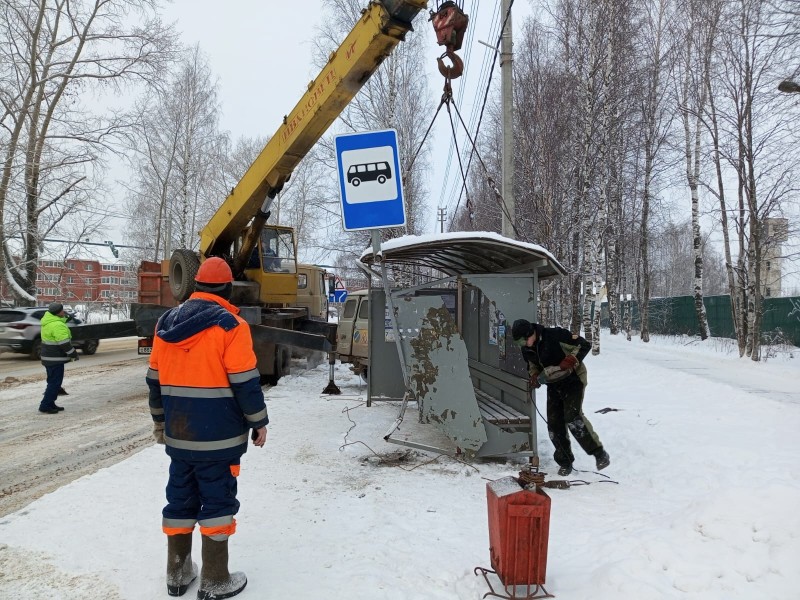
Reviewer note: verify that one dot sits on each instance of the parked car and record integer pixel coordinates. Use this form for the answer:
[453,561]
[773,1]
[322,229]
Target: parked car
[21,331]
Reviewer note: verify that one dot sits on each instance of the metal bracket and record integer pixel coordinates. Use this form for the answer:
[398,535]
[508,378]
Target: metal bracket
[532,591]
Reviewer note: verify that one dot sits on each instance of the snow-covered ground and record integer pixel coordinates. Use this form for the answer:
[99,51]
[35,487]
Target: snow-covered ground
[706,506]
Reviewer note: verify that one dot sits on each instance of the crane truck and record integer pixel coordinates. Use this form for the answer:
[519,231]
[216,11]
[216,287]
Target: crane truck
[263,257]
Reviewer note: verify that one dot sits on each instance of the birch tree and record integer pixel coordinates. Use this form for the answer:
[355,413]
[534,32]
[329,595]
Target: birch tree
[758,131]
[54,52]
[588,66]
[174,152]
[698,41]
[735,274]
[656,121]
[305,204]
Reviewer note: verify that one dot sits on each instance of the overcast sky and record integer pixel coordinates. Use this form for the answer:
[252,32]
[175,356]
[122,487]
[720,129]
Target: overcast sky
[262,55]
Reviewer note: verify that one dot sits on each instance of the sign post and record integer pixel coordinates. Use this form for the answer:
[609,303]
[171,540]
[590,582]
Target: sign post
[371,190]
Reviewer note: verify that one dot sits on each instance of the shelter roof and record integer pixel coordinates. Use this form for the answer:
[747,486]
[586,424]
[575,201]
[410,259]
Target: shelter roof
[467,252]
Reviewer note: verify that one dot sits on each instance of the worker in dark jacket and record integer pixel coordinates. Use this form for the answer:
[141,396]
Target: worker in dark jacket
[555,358]
[57,350]
[205,397]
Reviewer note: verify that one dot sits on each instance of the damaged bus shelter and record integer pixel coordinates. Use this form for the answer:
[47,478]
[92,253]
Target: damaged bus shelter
[443,342]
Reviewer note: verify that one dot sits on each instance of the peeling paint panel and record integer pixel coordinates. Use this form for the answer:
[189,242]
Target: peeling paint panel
[436,358]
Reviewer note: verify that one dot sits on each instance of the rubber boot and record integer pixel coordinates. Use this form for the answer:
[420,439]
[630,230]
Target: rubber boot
[215,580]
[602,459]
[181,571]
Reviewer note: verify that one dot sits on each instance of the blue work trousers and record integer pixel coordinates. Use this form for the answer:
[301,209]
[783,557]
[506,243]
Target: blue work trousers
[201,490]
[55,377]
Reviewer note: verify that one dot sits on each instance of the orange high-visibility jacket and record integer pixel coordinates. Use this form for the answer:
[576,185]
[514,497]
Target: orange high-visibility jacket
[203,380]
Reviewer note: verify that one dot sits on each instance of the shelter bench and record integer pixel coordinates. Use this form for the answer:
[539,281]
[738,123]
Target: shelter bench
[497,413]
[493,406]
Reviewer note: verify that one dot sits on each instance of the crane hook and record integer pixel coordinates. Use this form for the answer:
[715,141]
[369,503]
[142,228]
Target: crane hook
[454,71]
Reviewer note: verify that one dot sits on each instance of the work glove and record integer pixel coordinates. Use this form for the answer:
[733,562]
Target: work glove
[553,374]
[534,381]
[569,362]
[158,432]
[74,357]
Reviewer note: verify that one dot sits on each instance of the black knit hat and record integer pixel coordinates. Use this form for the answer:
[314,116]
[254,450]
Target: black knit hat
[522,329]
[55,308]
[223,290]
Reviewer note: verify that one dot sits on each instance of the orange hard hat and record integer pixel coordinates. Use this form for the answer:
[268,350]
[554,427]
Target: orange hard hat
[214,270]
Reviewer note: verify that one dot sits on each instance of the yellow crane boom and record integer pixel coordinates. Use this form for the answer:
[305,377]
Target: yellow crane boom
[381,27]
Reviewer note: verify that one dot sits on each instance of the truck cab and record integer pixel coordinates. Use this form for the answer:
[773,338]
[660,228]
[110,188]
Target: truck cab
[312,293]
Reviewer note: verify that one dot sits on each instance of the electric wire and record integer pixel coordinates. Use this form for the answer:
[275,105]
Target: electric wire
[484,72]
[383,459]
[460,98]
[483,108]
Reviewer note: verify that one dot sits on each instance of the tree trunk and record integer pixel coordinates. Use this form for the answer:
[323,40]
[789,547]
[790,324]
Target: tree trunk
[734,289]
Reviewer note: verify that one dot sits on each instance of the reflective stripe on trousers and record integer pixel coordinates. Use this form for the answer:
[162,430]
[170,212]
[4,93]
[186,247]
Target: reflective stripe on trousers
[202,492]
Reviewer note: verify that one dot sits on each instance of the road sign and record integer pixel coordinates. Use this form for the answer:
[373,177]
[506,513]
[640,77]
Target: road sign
[337,296]
[370,183]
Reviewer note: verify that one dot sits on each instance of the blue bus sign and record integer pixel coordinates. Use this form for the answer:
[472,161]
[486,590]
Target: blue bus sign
[370,185]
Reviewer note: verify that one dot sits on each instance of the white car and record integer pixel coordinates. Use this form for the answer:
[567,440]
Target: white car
[21,331]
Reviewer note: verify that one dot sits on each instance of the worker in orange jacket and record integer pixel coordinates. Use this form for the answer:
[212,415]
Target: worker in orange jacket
[205,397]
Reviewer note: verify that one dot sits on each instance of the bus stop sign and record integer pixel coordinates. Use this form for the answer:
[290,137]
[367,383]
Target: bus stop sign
[370,183]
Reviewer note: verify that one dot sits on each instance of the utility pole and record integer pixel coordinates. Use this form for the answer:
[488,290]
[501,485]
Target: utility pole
[506,63]
[442,214]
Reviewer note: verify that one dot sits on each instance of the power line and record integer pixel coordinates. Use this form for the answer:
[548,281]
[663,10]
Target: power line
[459,100]
[484,79]
[483,106]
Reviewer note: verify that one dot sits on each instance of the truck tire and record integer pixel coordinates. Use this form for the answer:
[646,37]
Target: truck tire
[183,267]
[283,361]
[90,347]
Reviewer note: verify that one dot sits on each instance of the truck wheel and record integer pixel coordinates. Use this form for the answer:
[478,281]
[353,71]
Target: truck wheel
[183,267]
[283,361]
[90,347]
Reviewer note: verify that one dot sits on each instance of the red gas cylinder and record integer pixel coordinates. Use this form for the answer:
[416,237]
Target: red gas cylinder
[519,526]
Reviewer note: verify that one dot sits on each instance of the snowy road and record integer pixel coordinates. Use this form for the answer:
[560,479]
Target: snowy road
[105,420]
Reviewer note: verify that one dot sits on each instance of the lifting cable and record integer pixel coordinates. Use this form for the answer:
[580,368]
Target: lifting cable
[474,149]
[449,23]
[447,99]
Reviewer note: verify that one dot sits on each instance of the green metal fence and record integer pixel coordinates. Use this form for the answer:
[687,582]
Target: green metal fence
[676,315]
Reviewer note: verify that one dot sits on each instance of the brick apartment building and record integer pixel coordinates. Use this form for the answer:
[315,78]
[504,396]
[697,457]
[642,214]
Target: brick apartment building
[82,281]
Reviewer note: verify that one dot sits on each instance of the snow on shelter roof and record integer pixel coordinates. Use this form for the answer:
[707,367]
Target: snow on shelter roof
[468,252]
